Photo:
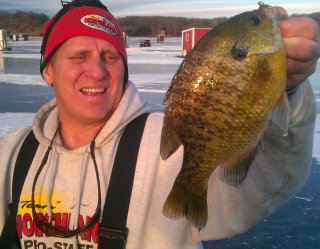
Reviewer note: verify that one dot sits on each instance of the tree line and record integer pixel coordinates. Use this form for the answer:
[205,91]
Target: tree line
[23,22]
[151,25]
[32,23]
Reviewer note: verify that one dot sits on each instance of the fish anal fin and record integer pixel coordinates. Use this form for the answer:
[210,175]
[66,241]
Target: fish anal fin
[235,170]
[183,203]
[170,141]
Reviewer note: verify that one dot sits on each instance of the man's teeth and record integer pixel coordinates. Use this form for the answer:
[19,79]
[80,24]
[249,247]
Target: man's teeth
[93,90]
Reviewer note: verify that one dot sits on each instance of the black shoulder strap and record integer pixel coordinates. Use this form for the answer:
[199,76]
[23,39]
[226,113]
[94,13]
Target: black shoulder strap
[112,229]
[25,157]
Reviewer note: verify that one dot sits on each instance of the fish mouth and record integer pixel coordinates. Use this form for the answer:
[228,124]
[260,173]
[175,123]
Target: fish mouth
[274,44]
[264,36]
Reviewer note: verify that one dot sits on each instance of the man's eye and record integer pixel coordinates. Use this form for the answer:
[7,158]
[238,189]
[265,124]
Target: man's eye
[111,59]
[78,58]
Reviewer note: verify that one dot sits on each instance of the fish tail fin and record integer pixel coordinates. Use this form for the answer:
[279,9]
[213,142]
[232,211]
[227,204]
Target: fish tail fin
[183,203]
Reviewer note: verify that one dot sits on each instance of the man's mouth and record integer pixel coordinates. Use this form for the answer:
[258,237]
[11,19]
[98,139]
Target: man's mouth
[93,90]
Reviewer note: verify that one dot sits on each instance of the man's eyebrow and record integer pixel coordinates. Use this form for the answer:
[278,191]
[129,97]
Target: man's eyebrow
[108,50]
[79,51]
[86,50]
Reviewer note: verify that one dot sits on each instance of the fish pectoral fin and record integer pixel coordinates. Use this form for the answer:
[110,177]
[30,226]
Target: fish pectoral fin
[170,142]
[235,170]
[281,113]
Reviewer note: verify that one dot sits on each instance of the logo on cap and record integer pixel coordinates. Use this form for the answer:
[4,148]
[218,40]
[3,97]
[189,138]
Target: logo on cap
[99,23]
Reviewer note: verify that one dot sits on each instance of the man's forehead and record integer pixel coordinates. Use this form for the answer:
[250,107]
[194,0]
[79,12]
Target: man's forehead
[87,43]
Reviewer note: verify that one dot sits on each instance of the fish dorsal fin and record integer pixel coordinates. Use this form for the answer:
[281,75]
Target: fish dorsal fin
[235,170]
[281,113]
[170,141]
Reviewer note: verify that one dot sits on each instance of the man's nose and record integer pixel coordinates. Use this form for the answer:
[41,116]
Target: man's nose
[97,68]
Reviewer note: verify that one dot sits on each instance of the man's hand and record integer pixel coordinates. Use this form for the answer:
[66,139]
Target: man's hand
[301,36]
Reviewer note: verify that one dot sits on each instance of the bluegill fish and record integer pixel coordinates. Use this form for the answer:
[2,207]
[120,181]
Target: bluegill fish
[220,103]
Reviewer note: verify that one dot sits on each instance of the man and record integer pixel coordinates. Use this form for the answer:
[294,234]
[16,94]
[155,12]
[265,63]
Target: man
[85,61]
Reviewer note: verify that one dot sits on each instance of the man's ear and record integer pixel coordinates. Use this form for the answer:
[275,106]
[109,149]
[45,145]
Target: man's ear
[47,73]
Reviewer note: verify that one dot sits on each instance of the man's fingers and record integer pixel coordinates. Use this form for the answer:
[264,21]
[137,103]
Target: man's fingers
[302,49]
[300,26]
[298,71]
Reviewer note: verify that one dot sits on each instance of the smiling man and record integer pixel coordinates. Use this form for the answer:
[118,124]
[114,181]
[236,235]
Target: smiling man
[64,191]
[87,74]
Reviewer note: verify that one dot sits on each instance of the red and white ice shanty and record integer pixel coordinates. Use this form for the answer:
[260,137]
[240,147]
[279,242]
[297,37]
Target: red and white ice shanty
[160,36]
[190,37]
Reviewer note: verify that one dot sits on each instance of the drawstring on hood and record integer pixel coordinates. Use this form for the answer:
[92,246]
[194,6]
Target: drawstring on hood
[76,210]
[52,161]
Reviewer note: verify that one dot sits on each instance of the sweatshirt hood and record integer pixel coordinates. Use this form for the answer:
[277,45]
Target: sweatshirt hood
[45,126]
[131,106]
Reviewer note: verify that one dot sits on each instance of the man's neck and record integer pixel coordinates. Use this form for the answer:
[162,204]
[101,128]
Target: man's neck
[74,136]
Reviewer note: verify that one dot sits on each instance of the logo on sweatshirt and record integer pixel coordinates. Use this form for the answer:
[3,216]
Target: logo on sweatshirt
[100,23]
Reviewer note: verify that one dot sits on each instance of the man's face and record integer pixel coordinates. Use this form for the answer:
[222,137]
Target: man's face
[87,74]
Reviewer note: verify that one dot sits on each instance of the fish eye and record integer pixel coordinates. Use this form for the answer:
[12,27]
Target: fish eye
[255,20]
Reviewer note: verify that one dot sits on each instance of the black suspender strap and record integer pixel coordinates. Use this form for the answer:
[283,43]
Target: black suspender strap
[23,163]
[112,229]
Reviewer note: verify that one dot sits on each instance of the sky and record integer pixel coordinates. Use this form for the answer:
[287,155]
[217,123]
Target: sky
[185,8]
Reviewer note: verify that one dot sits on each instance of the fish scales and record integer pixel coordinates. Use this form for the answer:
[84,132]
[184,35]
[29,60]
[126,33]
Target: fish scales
[219,105]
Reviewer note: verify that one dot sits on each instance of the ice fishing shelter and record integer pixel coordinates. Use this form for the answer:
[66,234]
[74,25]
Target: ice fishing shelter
[190,37]
[3,40]
[125,38]
[161,36]
[20,37]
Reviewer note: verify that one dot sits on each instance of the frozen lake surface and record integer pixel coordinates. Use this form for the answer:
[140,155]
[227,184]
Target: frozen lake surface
[22,92]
